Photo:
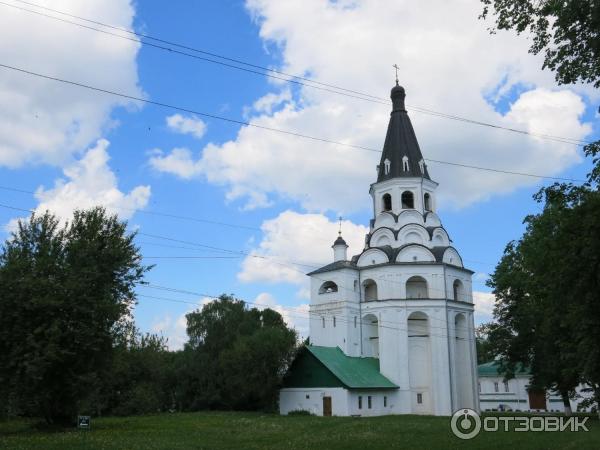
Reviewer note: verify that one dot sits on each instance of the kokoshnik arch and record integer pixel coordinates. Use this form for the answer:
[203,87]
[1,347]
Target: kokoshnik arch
[391,329]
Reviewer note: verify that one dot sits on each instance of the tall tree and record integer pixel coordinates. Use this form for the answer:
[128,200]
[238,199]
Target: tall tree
[66,294]
[237,356]
[547,287]
[568,32]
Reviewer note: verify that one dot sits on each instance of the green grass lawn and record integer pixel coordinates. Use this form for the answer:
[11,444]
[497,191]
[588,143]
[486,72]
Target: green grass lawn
[229,430]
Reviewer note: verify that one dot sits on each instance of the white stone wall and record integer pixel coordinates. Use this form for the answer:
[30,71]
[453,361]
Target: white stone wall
[517,397]
[311,399]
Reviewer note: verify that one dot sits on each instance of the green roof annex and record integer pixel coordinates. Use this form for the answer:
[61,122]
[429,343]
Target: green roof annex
[329,367]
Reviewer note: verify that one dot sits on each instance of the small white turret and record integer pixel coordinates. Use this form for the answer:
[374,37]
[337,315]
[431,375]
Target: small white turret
[340,249]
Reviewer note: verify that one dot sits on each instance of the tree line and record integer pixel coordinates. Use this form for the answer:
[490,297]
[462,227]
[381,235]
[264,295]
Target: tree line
[69,345]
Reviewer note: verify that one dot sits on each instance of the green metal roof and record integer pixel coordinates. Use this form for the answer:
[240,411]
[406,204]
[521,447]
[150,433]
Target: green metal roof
[353,372]
[493,369]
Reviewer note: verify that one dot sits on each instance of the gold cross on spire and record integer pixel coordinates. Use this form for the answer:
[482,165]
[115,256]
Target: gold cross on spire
[340,230]
[395,66]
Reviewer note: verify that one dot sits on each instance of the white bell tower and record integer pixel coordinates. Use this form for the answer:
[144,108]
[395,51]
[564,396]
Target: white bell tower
[406,299]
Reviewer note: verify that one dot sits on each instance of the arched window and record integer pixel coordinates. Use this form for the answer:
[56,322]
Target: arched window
[416,287]
[328,287]
[427,201]
[405,163]
[457,288]
[370,290]
[386,166]
[387,202]
[408,200]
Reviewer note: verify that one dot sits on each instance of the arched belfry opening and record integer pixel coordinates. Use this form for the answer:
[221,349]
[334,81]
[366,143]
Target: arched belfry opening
[408,200]
[427,202]
[416,287]
[387,202]
[370,327]
[458,290]
[370,288]
[328,287]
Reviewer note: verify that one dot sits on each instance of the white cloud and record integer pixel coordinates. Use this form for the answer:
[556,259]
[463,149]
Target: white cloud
[90,182]
[449,63]
[484,306]
[178,162]
[302,238]
[45,121]
[267,103]
[295,317]
[175,330]
[187,125]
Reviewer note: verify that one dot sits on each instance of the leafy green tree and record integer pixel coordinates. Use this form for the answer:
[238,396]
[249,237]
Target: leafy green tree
[568,32]
[485,351]
[138,380]
[547,286]
[67,292]
[236,356]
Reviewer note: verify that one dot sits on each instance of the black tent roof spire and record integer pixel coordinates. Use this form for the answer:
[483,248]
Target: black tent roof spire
[401,156]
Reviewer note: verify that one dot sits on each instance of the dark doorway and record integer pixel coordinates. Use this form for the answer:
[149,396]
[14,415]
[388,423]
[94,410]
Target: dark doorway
[537,399]
[327,406]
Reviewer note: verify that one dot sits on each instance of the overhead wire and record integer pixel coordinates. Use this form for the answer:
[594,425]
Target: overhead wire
[296,79]
[187,292]
[263,127]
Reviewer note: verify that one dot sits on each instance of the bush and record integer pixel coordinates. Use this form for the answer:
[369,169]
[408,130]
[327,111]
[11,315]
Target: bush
[300,412]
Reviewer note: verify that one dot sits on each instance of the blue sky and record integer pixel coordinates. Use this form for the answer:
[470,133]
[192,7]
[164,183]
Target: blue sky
[278,186]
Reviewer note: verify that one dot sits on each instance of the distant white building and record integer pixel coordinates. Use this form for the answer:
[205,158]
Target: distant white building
[499,394]
[391,329]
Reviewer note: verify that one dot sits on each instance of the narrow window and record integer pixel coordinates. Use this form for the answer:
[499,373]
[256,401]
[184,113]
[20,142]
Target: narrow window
[323,319]
[385,401]
[386,164]
[419,398]
[479,386]
[354,321]
[496,387]
[427,201]
[387,202]
[506,386]
[422,167]
[307,396]
[355,285]
[369,401]
[405,163]
[333,321]
[359,402]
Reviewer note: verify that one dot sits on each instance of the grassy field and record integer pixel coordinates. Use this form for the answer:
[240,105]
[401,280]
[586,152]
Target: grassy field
[221,430]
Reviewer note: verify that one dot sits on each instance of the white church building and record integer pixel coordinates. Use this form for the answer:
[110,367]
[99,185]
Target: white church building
[391,329]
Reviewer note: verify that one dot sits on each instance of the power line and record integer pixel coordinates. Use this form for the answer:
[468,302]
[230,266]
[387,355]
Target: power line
[191,257]
[276,130]
[289,264]
[308,314]
[157,213]
[296,79]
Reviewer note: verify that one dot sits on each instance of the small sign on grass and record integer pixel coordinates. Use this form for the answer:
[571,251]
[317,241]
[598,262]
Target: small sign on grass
[84,422]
